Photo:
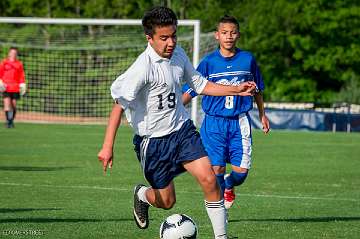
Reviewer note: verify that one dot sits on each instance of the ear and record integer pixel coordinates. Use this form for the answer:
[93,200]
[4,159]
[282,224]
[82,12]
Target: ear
[149,38]
[216,35]
[238,35]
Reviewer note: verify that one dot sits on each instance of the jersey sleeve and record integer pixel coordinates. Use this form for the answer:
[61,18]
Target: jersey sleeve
[21,74]
[126,87]
[194,79]
[202,70]
[257,75]
[1,69]
[187,89]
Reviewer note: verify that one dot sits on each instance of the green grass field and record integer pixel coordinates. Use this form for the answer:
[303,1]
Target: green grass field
[302,185]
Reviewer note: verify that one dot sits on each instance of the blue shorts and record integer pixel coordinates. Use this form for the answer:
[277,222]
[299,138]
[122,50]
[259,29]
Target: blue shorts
[227,140]
[162,158]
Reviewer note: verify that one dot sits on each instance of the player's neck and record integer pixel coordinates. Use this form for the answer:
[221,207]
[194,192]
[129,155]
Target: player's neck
[227,52]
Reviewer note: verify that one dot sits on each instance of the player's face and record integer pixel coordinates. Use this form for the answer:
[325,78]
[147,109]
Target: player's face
[227,34]
[163,41]
[12,54]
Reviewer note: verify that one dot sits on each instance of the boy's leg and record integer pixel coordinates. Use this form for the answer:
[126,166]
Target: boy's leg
[235,178]
[155,157]
[161,198]
[214,138]
[201,169]
[146,196]
[240,157]
[8,111]
[220,173]
[13,106]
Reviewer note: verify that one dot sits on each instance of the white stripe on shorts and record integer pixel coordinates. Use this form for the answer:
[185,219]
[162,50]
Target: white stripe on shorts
[245,130]
[143,148]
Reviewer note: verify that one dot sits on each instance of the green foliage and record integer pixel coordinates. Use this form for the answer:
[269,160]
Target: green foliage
[307,50]
[351,91]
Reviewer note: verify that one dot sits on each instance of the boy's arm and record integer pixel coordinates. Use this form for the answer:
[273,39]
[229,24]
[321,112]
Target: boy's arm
[1,69]
[247,88]
[186,98]
[188,94]
[2,84]
[244,89]
[263,118]
[106,153]
[22,80]
[202,86]
[22,74]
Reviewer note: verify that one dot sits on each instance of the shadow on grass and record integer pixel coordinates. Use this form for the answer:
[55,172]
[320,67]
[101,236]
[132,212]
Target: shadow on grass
[13,210]
[61,220]
[32,169]
[301,219]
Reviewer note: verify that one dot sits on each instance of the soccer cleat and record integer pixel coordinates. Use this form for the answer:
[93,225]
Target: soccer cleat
[229,196]
[141,210]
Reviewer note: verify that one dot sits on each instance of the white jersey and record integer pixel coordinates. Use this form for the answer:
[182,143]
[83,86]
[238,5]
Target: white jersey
[150,92]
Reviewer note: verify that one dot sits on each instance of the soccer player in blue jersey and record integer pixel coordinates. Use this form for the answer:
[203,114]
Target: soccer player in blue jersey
[226,131]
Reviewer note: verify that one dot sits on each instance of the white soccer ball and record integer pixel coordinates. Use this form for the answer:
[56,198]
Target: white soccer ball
[178,226]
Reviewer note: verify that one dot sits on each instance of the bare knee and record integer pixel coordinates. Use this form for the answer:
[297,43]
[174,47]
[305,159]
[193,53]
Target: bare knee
[210,187]
[208,182]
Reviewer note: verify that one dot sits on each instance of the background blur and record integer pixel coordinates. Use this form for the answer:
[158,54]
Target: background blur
[308,51]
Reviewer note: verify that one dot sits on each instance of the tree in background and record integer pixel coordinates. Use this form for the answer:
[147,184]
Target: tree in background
[307,49]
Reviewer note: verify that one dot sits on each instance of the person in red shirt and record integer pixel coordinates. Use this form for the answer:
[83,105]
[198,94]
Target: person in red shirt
[12,84]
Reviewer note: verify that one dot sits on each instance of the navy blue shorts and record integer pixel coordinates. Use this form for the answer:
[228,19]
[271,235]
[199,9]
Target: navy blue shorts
[162,158]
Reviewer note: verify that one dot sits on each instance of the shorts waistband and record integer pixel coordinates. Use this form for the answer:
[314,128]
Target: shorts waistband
[227,117]
[187,123]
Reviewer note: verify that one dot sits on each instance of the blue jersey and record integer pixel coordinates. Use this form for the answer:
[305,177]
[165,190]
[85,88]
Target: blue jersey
[228,71]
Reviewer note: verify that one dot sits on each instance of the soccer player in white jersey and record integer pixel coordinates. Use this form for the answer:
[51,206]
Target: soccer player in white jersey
[166,141]
[226,131]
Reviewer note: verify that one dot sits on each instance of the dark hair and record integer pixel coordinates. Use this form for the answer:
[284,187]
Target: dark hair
[14,48]
[158,17]
[228,19]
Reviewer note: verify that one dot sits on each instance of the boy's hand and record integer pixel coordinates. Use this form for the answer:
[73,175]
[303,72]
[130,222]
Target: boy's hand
[247,88]
[22,89]
[265,124]
[106,156]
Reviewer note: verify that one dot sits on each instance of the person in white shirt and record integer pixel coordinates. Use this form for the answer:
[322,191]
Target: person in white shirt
[166,141]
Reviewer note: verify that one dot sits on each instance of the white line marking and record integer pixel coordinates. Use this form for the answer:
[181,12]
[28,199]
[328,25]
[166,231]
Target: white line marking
[130,190]
[64,186]
[300,197]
